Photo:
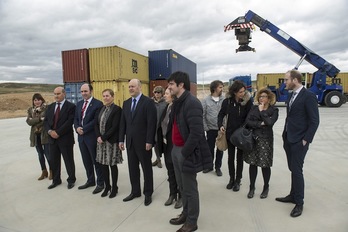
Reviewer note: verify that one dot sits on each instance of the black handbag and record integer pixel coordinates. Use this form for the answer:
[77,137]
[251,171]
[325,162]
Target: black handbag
[243,138]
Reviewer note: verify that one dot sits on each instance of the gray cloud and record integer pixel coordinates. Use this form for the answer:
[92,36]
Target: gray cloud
[33,34]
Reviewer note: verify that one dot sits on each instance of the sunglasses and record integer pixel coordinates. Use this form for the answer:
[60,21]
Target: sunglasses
[157,92]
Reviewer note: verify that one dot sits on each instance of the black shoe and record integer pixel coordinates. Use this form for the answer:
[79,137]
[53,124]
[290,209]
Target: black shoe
[251,193]
[236,186]
[87,185]
[131,197]
[178,203]
[264,193]
[170,200]
[297,211]
[230,184]
[218,172]
[188,228]
[53,185]
[287,199]
[98,189]
[106,191]
[207,170]
[71,185]
[114,192]
[148,200]
[179,220]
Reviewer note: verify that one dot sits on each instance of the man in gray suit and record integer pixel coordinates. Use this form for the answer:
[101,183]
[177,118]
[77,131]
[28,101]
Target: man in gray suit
[301,124]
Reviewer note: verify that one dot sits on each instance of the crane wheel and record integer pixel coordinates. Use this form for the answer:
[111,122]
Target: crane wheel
[334,99]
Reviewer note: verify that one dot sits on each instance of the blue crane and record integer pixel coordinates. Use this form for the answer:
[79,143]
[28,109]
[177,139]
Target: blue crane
[327,94]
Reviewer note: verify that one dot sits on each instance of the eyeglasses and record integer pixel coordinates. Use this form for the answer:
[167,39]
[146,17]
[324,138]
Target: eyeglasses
[263,96]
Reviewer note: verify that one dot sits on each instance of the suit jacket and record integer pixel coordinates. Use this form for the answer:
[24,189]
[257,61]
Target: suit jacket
[302,120]
[91,117]
[112,124]
[64,125]
[140,128]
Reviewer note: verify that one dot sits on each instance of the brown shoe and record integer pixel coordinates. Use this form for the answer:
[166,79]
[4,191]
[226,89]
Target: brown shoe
[155,163]
[187,228]
[179,220]
[50,176]
[44,175]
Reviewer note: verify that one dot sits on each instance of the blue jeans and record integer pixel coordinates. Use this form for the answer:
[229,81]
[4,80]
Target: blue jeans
[42,151]
[211,139]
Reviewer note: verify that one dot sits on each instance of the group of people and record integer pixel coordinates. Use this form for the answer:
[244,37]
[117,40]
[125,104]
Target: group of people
[179,126]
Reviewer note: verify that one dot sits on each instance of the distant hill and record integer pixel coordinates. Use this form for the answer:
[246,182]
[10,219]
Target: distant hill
[6,88]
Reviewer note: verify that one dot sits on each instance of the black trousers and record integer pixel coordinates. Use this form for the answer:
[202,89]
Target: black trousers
[136,156]
[235,171]
[295,154]
[56,151]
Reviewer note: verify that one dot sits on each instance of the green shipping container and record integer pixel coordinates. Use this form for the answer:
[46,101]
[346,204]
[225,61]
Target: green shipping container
[114,63]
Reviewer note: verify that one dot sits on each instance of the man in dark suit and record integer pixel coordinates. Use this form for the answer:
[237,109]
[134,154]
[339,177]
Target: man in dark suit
[301,124]
[85,119]
[138,124]
[58,123]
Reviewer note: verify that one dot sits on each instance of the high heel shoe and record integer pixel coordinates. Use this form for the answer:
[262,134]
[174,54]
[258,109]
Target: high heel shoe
[251,193]
[170,199]
[264,193]
[106,191]
[114,192]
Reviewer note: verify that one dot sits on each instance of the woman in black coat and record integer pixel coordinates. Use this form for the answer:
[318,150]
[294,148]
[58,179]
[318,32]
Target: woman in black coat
[108,153]
[261,119]
[236,106]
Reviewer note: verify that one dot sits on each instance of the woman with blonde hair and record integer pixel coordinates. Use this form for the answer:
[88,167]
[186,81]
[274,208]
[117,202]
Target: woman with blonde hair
[261,119]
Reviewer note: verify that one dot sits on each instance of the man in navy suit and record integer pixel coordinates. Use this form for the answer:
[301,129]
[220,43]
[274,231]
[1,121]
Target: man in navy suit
[301,124]
[58,124]
[85,118]
[138,124]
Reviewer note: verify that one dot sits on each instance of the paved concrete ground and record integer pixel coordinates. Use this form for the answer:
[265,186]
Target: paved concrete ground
[27,205]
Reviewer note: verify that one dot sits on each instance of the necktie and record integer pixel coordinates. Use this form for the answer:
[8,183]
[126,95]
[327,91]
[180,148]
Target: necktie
[292,99]
[84,109]
[133,106]
[56,116]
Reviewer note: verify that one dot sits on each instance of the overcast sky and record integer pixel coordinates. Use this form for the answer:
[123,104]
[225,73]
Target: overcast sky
[33,34]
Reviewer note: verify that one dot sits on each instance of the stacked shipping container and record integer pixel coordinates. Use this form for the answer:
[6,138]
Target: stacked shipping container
[112,67]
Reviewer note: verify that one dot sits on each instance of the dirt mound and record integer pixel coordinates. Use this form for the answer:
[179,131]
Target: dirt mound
[14,105]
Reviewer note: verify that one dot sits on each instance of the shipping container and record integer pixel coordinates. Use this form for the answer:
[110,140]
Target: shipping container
[75,64]
[119,87]
[162,63]
[276,79]
[117,64]
[73,91]
[164,84]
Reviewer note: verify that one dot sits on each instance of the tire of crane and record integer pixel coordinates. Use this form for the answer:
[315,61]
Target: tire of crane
[334,99]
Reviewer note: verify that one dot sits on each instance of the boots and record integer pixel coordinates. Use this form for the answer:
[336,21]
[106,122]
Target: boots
[170,200]
[230,183]
[114,192]
[44,175]
[106,191]
[50,177]
[178,203]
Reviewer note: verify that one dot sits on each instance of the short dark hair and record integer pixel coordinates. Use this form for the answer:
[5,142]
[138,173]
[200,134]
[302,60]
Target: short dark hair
[295,74]
[180,77]
[38,97]
[110,91]
[90,87]
[214,85]
[235,87]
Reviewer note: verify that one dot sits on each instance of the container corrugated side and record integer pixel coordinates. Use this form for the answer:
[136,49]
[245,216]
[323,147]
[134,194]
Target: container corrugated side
[120,89]
[114,63]
[73,91]
[344,80]
[75,65]
[162,63]
[268,79]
